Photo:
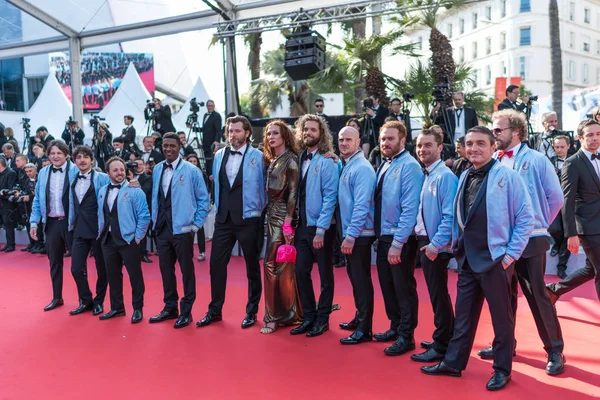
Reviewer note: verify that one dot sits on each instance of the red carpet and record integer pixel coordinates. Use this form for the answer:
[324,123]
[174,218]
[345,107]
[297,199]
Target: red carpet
[56,356]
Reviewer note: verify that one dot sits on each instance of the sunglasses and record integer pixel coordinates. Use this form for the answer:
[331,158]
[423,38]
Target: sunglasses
[319,106]
[497,131]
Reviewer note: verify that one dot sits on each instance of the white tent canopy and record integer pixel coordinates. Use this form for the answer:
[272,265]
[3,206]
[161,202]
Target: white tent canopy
[200,93]
[51,109]
[129,99]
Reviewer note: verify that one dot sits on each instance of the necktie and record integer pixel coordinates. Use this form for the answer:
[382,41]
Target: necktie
[508,154]
[167,165]
[56,169]
[82,176]
[111,187]
[425,171]
[595,156]
[235,152]
[458,114]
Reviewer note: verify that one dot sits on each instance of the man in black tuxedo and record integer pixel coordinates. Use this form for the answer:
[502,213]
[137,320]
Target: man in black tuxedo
[212,132]
[145,181]
[128,134]
[560,147]
[460,118]
[486,266]
[41,136]
[186,149]
[374,120]
[73,135]
[512,94]
[161,117]
[581,212]
[150,153]
[8,180]
[397,113]
[320,110]
[119,150]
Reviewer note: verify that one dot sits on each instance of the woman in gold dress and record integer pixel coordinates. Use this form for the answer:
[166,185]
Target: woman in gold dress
[282,303]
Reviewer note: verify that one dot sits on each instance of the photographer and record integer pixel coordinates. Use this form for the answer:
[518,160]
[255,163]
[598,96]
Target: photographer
[36,155]
[185,149]
[150,156]
[9,154]
[37,246]
[103,145]
[72,133]
[3,139]
[119,150]
[160,116]
[24,196]
[544,141]
[41,136]
[512,94]
[136,171]
[8,181]
[376,115]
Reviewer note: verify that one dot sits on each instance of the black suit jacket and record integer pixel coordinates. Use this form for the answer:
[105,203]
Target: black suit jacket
[146,186]
[470,122]
[8,180]
[507,104]
[157,156]
[187,150]
[211,130]
[163,123]
[581,186]
[128,136]
[79,136]
[47,140]
[534,141]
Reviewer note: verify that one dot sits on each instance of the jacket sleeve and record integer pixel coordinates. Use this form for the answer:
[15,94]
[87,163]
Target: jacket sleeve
[412,184]
[35,216]
[363,187]
[569,181]
[552,188]
[446,192]
[329,180]
[142,213]
[202,200]
[293,178]
[524,221]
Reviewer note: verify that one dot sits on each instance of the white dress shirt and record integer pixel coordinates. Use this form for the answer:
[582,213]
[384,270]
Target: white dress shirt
[384,167]
[459,123]
[560,162]
[420,227]
[510,161]
[595,163]
[168,175]
[306,162]
[233,164]
[57,185]
[112,194]
[146,156]
[83,184]
[545,146]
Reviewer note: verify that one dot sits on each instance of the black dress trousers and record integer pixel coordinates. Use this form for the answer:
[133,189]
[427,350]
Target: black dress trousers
[115,256]
[79,254]
[359,269]
[57,230]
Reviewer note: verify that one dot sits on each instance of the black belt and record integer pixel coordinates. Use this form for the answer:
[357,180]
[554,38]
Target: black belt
[422,238]
[58,218]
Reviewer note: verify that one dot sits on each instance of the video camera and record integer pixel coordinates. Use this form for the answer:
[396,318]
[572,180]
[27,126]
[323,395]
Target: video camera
[368,103]
[195,105]
[25,123]
[150,105]
[131,166]
[96,120]
[533,98]
[14,195]
[408,96]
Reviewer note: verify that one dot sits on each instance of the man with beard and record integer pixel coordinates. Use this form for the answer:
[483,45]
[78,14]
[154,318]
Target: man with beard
[510,131]
[485,251]
[83,221]
[399,182]
[240,197]
[355,195]
[123,218]
[181,205]
[51,207]
[317,198]
[434,231]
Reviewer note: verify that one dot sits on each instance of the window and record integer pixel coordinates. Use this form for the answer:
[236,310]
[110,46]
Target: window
[502,68]
[585,74]
[476,77]
[525,6]
[419,44]
[587,15]
[461,26]
[461,54]
[488,45]
[502,8]
[488,75]
[502,40]
[572,11]
[449,31]
[11,83]
[525,37]
[571,74]
[475,20]
[571,40]
[522,67]
[488,13]
[586,43]
[474,50]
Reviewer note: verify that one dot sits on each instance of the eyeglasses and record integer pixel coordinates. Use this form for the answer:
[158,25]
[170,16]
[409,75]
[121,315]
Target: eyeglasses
[497,131]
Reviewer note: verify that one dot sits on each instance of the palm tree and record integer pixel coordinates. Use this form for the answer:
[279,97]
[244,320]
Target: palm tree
[254,41]
[555,60]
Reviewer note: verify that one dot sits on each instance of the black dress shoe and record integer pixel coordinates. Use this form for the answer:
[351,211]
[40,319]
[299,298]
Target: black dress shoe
[426,345]
[67,254]
[488,353]
[388,336]
[146,259]
[401,346]
[554,251]
[53,304]
[556,363]
[28,248]
[430,355]
[164,315]
[498,381]
[137,316]
[249,320]
[208,319]
[8,249]
[81,309]
[357,337]
[318,329]
[183,321]
[98,309]
[112,314]
[553,296]
[441,369]
[302,328]
[561,272]
[350,326]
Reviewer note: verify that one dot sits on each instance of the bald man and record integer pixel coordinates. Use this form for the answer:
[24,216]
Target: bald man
[356,188]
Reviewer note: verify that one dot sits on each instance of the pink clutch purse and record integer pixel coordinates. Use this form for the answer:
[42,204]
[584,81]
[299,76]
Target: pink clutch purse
[286,253]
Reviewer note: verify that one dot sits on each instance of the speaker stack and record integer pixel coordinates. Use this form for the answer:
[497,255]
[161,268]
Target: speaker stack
[304,54]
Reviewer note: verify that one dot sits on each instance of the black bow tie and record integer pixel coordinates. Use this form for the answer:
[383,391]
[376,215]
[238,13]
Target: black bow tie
[57,169]
[595,156]
[308,156]
[425,171]
[476,173]
[82,176]
[167,165]
[111,187]
[239,153]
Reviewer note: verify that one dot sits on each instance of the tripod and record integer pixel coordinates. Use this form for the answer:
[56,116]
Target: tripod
[196,130]
[26,140]
[443,113]
[528,116]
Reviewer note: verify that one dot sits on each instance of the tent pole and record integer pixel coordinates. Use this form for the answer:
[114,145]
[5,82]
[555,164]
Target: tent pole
[75,65]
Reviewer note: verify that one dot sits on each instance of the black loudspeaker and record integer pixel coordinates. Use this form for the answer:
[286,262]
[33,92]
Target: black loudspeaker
[304,54]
